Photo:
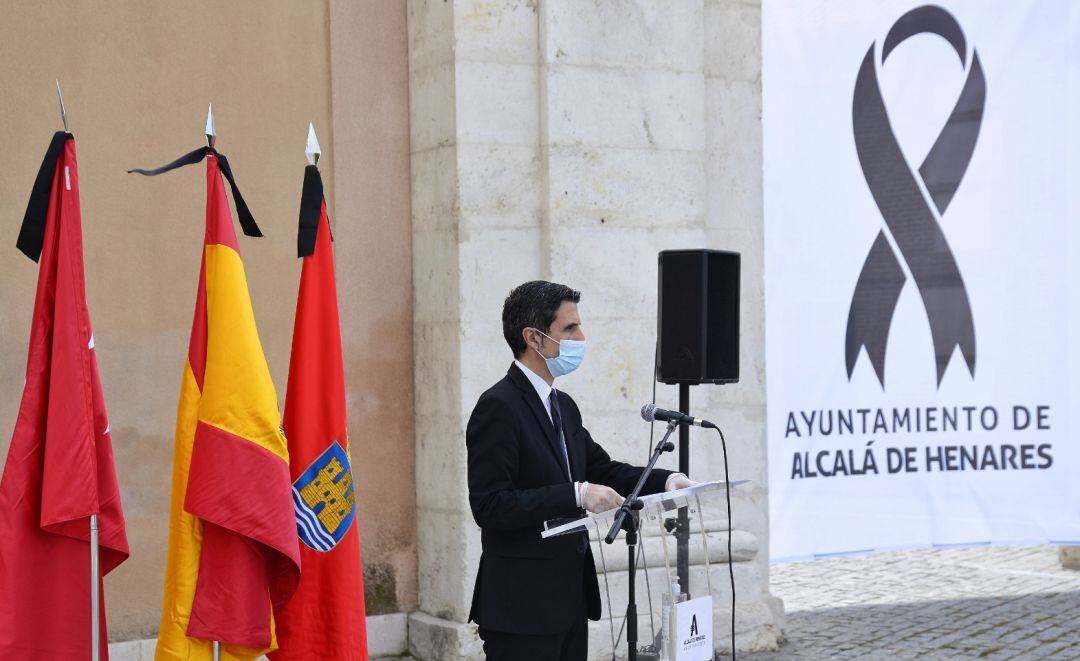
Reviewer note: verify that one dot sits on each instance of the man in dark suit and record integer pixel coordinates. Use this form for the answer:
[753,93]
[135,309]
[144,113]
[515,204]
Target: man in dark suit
[531,460]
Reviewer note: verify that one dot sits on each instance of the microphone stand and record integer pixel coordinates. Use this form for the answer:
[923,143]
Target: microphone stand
[626,518]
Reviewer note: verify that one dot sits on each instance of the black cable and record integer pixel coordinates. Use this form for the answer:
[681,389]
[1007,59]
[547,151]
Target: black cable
[730,565]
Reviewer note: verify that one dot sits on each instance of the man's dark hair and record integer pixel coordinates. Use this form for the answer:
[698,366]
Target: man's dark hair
[533,305]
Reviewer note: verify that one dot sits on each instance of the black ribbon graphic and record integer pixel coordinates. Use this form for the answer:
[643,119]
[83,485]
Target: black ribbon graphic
[909,217]
[243,214]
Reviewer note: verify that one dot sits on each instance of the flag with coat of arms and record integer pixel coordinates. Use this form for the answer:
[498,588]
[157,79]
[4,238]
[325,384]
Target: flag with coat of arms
[325,619]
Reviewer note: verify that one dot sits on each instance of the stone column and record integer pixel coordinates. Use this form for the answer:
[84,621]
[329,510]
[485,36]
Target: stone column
[572,141]
[442,509]
[476,232]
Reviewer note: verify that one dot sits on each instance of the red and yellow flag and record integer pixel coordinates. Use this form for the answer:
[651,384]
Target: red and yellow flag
[233,553]
[59,468]
[325,619]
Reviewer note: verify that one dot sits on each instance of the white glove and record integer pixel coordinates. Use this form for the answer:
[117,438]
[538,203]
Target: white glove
[677,481]
[599,498]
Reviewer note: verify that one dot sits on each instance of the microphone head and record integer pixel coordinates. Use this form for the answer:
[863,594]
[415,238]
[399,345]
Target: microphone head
[647,412]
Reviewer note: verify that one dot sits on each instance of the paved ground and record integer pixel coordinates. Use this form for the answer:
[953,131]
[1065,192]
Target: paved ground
[1006,602]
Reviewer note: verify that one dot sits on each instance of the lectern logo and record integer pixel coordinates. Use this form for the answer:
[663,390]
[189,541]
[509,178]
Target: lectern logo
[693,626]
[912,220]
[324,499]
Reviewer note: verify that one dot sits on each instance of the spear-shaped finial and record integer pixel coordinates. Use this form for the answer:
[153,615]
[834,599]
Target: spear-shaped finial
[313,151]
[63,110]
[211,134]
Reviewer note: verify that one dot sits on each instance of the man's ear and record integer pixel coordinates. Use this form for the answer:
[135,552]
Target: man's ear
[525,336]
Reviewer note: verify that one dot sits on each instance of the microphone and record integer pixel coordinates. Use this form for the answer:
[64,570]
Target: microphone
[649,412]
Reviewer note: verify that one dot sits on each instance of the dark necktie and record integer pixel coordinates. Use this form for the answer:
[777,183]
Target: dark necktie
[556,419]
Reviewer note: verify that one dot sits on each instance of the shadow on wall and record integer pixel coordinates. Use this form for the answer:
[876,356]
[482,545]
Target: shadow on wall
[380,589]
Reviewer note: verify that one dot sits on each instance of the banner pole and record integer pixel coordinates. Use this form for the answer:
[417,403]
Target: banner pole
[95,600]
[217,651]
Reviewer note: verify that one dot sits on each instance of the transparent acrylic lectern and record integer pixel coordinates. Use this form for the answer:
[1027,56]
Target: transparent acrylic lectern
[656,559]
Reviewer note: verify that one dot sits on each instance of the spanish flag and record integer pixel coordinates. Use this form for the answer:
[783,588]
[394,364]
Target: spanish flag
[233,553]
[325,620]
[59,469]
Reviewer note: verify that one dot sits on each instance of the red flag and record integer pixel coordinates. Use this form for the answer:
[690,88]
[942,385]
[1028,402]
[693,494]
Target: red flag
[59,467]
[325,618]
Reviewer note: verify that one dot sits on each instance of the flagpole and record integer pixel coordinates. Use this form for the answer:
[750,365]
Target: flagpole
[210,132]
[95,597]
[211,137]
[95,600]
[63,110]
[312,150]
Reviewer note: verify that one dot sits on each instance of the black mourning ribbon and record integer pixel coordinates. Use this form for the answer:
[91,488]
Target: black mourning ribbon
[32,233]
[908,216]
[311,200]
[247,221]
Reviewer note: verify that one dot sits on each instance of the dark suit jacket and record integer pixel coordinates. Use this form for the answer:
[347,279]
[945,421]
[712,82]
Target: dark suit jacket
[518,480]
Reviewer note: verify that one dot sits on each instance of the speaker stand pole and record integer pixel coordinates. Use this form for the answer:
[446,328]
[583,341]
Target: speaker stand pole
[682,532]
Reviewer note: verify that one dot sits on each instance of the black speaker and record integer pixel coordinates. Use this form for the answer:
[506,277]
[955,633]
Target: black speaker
[697,325]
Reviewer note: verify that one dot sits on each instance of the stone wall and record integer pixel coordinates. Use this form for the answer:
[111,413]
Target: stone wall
[572,141]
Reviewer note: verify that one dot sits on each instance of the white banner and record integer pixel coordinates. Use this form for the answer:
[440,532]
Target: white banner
[922,274]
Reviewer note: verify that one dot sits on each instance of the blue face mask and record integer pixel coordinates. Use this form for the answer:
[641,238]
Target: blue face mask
[571,353]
